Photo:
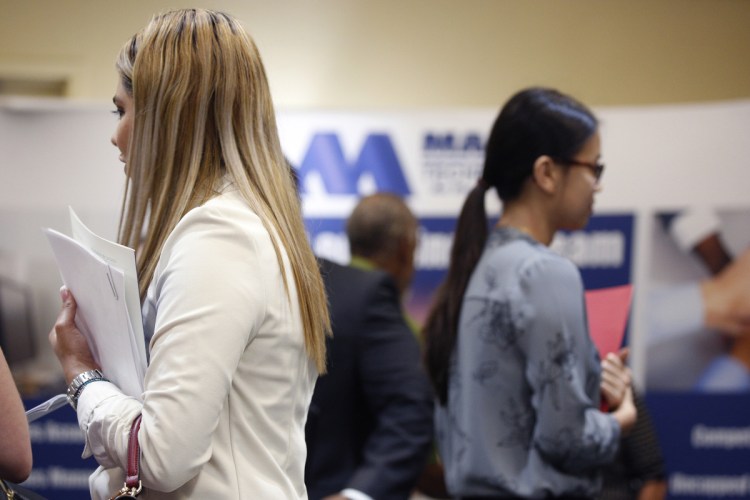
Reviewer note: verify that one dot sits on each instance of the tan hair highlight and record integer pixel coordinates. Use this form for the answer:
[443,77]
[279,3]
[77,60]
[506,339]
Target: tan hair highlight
[203,110]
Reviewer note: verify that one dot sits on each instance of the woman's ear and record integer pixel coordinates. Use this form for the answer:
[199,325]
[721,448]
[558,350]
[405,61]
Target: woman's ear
[546,174]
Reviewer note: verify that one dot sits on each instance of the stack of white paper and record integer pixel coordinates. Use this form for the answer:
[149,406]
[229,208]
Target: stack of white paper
[52,404]
[101,275]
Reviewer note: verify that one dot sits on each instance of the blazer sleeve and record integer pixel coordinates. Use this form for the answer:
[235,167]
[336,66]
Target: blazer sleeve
[397,395]
[206,319]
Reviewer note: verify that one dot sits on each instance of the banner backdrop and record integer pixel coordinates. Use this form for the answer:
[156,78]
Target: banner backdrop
[603,252]
[432,158]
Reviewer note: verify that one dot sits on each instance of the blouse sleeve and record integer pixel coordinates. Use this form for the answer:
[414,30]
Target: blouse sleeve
[562,370]
[206,318]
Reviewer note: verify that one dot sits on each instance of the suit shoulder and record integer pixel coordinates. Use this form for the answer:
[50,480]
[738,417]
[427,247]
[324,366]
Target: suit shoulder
[352,278]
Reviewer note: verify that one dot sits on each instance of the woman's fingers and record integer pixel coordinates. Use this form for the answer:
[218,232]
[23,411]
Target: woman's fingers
[616,378]
[69,344]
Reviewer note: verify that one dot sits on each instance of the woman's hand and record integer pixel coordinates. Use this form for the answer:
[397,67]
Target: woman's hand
[68,342]
[616,388]
[626,414]
[616,378]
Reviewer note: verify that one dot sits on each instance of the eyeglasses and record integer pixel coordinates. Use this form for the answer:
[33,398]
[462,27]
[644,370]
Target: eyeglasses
[596,168]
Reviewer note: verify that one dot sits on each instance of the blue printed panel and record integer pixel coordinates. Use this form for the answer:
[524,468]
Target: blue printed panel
[705,439]
[603,252]
[57,443]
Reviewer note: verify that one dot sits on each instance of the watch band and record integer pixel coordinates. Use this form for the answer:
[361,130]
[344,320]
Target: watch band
[78,383]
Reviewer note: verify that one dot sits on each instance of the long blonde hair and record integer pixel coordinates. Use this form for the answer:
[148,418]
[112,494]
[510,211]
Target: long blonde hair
[203,110]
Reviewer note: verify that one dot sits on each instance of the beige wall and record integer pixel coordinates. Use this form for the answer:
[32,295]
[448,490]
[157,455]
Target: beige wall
[420,53]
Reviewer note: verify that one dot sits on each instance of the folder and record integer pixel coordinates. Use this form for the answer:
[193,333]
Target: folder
[101,275]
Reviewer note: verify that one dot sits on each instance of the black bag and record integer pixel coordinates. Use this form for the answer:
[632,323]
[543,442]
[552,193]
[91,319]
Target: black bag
[10,491]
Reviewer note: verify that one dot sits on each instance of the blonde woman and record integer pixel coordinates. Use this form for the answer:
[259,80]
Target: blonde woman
[233,303]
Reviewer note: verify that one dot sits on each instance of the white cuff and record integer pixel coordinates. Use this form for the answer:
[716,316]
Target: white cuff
[90,397]
[353,494]
[692,226]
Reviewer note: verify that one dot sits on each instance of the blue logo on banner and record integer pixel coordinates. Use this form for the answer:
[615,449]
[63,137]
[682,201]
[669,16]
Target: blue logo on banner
[377,157]
[450,142]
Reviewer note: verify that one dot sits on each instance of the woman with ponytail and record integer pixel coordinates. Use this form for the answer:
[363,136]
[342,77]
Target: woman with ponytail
[517,378]
[233,302]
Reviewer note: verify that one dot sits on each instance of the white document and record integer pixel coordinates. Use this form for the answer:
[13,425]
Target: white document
[123,258]
[101,276]
[52,404]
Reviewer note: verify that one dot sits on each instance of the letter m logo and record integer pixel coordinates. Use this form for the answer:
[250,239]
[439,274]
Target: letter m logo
[377,158]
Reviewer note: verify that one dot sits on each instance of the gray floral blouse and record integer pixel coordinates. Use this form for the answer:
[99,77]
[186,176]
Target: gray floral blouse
[523,416]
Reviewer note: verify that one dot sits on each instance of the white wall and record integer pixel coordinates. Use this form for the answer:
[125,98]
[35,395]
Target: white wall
[52,155]
[343,54]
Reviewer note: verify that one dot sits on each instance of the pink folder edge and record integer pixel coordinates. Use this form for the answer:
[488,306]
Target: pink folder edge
[608,310]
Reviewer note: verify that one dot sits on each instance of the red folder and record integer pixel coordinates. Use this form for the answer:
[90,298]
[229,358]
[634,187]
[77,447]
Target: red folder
[608,310]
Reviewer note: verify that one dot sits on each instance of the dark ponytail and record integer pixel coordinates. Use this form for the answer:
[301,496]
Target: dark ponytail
[441,327]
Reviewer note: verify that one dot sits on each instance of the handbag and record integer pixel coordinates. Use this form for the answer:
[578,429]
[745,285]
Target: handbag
[132,487]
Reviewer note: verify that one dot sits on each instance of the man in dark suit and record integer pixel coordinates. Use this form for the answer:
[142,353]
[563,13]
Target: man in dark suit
[369,428]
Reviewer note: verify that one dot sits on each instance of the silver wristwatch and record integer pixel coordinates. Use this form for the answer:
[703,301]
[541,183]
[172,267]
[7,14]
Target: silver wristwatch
[80,380]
